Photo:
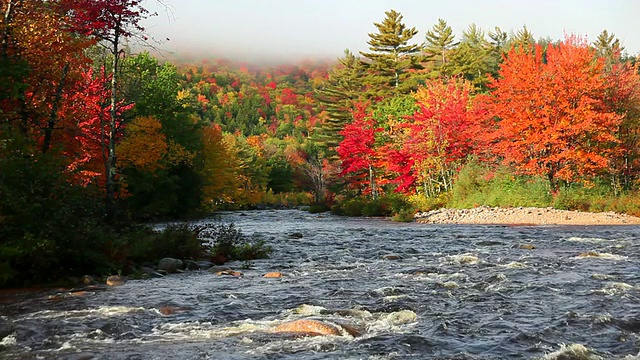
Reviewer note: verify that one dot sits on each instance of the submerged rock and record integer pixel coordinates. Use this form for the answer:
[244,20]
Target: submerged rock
[229,273]
[273,274]
[308,327]
[116,280]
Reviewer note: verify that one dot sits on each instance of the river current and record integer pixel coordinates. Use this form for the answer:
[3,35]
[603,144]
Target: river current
[412,291]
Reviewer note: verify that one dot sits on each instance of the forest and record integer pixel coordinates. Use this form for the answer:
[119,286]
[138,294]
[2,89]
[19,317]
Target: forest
[96,138]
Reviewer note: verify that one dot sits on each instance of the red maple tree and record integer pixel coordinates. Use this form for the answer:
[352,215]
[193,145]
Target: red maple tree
[550,117]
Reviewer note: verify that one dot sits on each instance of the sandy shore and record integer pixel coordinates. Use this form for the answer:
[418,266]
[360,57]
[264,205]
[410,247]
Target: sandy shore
[523,216]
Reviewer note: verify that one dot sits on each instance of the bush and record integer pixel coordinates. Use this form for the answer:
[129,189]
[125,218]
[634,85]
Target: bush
[352,207]
[404,216]
[318,208]
[228,243]
[178,241]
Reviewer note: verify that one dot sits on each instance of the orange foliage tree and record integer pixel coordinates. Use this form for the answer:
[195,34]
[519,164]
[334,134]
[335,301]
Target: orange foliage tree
[550,118]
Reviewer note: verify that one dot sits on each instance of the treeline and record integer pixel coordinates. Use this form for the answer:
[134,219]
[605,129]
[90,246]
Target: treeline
[561,117]
[95,138]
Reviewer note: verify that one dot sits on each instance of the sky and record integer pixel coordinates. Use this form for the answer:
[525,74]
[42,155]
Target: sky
[290,30]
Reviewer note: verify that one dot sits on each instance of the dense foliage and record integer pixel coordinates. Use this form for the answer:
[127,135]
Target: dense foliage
[94,138]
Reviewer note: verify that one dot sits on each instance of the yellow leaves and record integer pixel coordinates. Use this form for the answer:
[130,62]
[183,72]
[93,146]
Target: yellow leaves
[220,169]
[146,148]
[145,145]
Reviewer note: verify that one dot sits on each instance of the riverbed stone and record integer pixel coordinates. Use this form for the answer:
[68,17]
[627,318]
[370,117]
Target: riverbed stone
[308,327]
[527,246]
[191,265]
[273,274]
[391,257]
[170,265]
[151,272]
[296,235]
[229,273]
[204,264]
[116,280]
[87,280]
[217,269]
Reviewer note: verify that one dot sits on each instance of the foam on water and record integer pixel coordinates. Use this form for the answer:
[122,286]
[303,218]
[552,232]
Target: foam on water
[572,352]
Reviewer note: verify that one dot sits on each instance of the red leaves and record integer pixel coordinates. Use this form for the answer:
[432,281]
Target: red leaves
[552,117]
[105,19]
[357,149]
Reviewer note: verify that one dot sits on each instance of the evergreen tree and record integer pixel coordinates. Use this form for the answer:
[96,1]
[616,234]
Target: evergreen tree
[522,38]
[471,58]
[608,47]
[337,94]
[439,40]
[391,56]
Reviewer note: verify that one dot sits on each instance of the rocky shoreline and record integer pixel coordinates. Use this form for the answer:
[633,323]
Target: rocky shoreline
[523,216]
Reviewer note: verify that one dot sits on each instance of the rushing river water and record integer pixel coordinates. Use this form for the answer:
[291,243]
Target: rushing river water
[412,290]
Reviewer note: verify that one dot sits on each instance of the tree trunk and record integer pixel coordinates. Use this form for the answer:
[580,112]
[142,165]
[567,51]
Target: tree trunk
[6,31]
[372,183]
[110,167]
[53,116]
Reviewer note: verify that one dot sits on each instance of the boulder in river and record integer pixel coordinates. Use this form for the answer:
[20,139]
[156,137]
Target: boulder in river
[151,272]
[307,327]
[273,274]
[191,265]
[116,280]
[170,265]
[229,273]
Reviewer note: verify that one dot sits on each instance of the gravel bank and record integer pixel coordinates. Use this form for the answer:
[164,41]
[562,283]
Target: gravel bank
[523,216]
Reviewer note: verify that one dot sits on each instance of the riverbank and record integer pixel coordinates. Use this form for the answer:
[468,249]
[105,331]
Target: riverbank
[523,216]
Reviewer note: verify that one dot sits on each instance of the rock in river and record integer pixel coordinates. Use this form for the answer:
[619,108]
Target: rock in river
[307,327]
[170,265]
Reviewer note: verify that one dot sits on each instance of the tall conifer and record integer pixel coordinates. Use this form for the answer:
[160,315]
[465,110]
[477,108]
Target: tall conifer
[392,57]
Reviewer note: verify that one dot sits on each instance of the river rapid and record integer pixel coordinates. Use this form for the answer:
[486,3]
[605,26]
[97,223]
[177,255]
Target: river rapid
[412,291]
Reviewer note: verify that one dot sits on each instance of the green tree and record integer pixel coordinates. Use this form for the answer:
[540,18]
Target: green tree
[392,57]
[472,58]
[337,95]
[522,38]
[439,40]
[608,47]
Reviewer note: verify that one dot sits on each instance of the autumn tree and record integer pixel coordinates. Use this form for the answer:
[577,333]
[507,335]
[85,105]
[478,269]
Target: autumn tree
[357,151]
[551,118]
[439,135]
[219,170]
[110,22]
[392,57]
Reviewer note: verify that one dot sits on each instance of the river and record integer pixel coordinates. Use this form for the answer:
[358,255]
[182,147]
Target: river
[413,291]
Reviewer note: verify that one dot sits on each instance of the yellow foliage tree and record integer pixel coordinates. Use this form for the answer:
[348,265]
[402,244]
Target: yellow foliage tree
[220,167]
[146,148]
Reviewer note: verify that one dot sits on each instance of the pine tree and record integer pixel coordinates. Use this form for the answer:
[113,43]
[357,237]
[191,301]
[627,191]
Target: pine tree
[439,40]
[337,94]
[522,38]
[392,57]
[471,58]
[608,47]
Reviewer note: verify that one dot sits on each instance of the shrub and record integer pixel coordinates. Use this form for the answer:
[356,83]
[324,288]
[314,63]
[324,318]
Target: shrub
[177,240]
[229,243]
[404,216]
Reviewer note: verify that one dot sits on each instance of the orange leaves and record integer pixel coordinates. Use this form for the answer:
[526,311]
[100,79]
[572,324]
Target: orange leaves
[552,118]
[145,147]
